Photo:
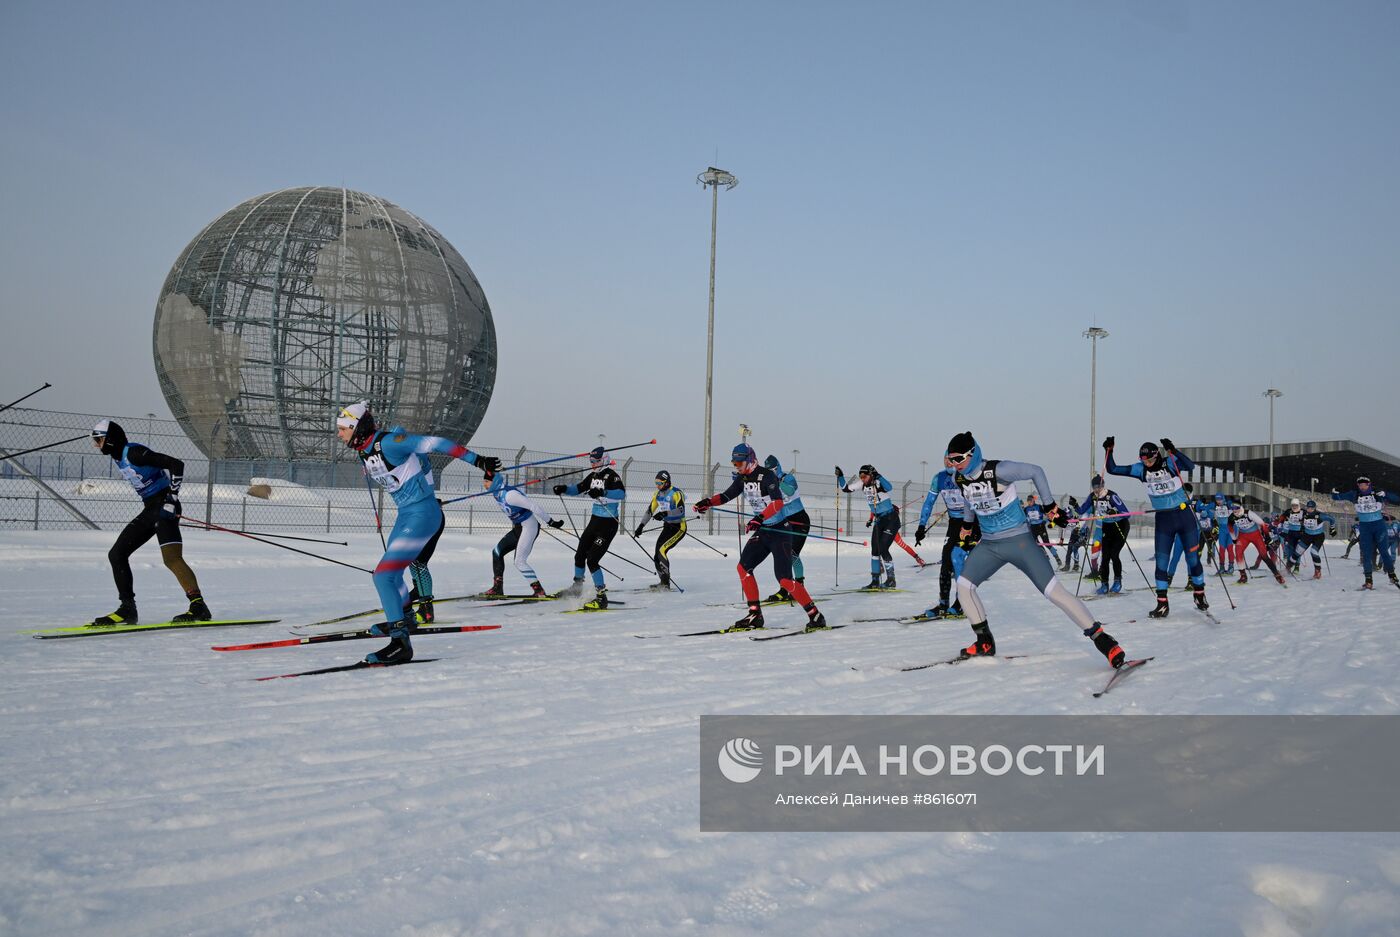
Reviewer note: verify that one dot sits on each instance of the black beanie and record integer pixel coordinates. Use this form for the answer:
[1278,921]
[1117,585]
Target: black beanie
[963,442]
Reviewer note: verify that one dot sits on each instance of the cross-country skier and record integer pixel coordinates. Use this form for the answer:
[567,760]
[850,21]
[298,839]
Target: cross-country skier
[1316,526]
[1220,511]
[989,489]
[798,521]
[156,478]
[668,507]
[1370,504]
[877,493]
[605,487]
[1162,475]
[1106,507]
[1077,536]
[1352,539]
[398,460]
[962,524]
[1293,534]
[526,518]
[771,534]
[1248,530]
[1038,519]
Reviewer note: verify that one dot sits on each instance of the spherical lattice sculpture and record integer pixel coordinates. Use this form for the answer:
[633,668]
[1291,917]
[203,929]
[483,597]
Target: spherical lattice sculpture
[299,301]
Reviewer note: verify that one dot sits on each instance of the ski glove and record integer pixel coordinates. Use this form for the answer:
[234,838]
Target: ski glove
[839,473]
[753,524]
[1167,444]
[487,463]
[702,506]
[869,520]
[1108,444]
[640,527]
[597,493]
[1333,532]
[560,489]
[171,505]
[659,516]
[919,535]
[557,523]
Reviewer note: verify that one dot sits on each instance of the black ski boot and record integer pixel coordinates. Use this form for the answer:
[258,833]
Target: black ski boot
[124,615]
[1107,646]
[816,621]
[753,621]
[497,587]
[1394,581]
[874,583]
[984,645]
[198,611]
[889,578]
[399,650]
[1200,596]
[1163,608]
[956,611]
[780,596]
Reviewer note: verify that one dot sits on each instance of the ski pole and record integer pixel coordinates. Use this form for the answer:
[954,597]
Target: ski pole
[533,481]
[550,531]
[378,525]
[1221,571]
[790,533]
[61,442]
[1325,559]
[707,546]
[281,546]
[261,533]
[658,571]
[576,455]
[7,406]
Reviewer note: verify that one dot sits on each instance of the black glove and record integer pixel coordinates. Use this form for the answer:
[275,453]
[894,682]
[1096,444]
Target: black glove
[640,527]
[560,489]
[839,473]
[597,493]
[869,519]
[919,535]
[557,523]
[659,516]
[1108,444]
[753,524]
[702,506]
[487,463]
[171,505]
[1332,532]
[1167,444]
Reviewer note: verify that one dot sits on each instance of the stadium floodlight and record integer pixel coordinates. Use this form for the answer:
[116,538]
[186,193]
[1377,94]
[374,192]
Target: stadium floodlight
[1272,394]
[712,179]
[1093,334]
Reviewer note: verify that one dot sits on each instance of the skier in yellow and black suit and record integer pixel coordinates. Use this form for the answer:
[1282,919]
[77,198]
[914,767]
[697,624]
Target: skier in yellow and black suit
[667,506]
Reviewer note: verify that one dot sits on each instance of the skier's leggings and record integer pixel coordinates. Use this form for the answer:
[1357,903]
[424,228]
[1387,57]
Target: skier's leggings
[150,523]
[1254,539]
[1314,544]
[946,572]
[671,534]
[521,540]
[592,545]
[1178,524]
[418,569]
[1373,540]
[416,525]
[1024,552]
[766,542]
[881,539]
[1115,535]
[799,523]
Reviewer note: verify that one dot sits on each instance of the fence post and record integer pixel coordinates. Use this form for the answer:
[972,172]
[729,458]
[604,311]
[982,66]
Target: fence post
[714,470]
[36,509]
[622,508]
[209,493]
[243,520]
[328,515]
[470,509]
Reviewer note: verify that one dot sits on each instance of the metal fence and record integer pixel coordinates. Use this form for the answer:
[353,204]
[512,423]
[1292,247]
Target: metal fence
[267,494]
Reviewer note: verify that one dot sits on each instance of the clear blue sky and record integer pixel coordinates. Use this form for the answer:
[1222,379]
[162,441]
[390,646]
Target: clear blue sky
[935,200]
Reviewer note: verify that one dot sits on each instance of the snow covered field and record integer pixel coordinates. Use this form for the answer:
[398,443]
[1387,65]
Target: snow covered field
[542,779]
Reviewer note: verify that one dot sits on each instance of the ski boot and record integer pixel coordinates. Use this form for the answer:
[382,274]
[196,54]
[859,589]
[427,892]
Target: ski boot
[1393,580]
[399,650]
[873,585]
[497,588]
[537,590]
[1244,577]
[1200,596]
[780,596]
[420,612]
[574,588]
[598,602]
[938,611]
[984,645]
[1107,646]
[124,615]
[1281,581]
[198,611]
[889,579]
[1163,608]
[1317,573]
[1076,567]
[956,611]
[1102,589]
[1117,586]
[663,586]
[816,621]
[753,621]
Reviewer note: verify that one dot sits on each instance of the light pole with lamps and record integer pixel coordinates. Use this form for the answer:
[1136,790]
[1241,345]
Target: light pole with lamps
[1272,394]
[712,178]
[1093,334]
[793,467]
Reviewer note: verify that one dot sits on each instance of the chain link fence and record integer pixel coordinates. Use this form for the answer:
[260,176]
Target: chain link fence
[38,489]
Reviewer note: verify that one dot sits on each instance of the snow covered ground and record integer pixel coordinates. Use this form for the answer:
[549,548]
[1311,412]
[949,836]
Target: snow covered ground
[542,779]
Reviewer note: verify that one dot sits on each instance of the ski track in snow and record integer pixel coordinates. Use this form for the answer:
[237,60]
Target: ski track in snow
[542,779]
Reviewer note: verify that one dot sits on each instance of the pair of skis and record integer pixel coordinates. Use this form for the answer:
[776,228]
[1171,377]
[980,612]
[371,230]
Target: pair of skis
[1119,673]
[361,634]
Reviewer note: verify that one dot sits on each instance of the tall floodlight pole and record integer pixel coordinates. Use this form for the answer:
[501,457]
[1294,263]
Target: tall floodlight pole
[1271,393]
[712,178]
[1093,334]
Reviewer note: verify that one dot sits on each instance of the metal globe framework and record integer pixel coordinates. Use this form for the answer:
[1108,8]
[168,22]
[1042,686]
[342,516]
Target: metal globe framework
[299,301]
